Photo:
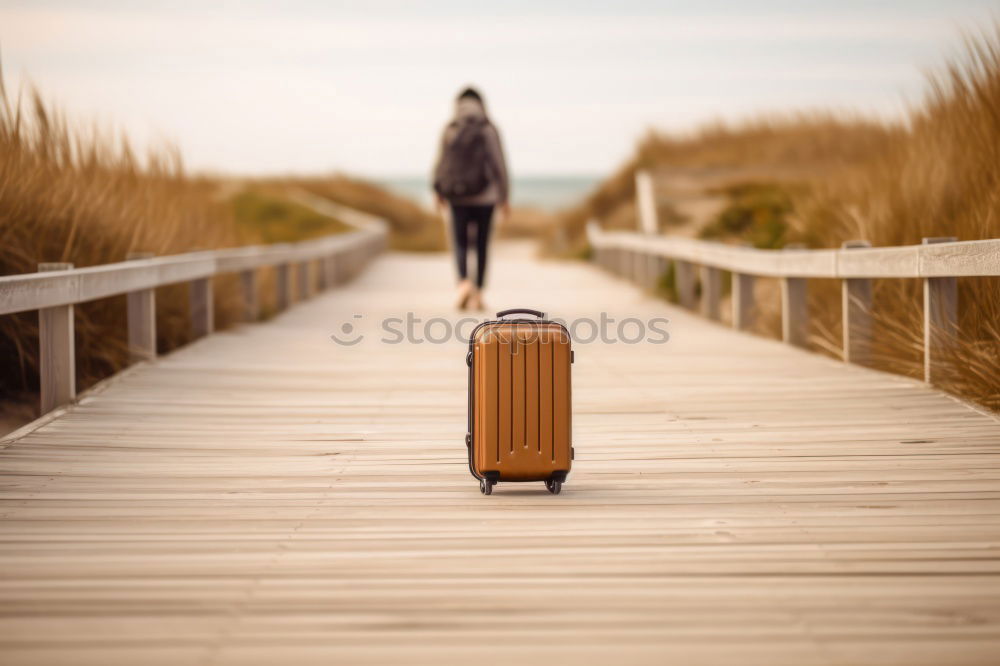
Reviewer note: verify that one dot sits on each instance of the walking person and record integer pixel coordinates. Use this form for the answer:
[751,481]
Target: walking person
[471,177]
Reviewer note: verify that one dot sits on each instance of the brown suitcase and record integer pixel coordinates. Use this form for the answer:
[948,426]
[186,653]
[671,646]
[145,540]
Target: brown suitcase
[519,401]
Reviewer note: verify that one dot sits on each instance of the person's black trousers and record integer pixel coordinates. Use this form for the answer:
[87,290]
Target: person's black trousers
[467,220]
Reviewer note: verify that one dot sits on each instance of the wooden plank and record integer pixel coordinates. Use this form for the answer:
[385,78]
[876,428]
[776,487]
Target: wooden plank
[56,350]
[625,263]
[251,294]
[20,293]
[653,272]
[795,311]
[331,271]
[684,279]
[940,319]
[711,292]
[856,306]
[322,281]
[636,263]
[641,269]
[958,259]
[744,304]
[283,286]
[141,317]
[303,280]
[660,267]
[646,202]
[202,307]
[266,495]
[865,262]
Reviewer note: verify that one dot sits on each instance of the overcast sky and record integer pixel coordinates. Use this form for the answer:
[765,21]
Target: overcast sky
[364,86]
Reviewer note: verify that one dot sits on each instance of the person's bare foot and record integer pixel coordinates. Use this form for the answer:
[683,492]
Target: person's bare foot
[464,294]
[476,301]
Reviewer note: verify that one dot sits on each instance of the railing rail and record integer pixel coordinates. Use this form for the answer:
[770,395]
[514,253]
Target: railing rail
[644,257]
[946,259]
[56,288]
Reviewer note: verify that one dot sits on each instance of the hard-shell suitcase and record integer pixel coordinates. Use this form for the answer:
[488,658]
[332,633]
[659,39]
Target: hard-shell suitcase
[519,401]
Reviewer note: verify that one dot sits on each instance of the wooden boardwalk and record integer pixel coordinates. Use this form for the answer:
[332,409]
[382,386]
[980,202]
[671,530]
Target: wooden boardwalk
[266,496]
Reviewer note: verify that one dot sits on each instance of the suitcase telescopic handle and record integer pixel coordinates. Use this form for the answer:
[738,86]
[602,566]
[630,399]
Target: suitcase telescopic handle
[527,311]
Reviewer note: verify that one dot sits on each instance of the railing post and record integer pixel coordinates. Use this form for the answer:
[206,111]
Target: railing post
[685,282]
[251,302]
[646,202]
[856,304]
[351,260]
[649,277]
[335,269]
[639,268]
[57,350]
[141,315]
[744,305]
[711,289]
[794,311]
[331,268]
[321,278]
[283,286]
[202,307]
[302,279]
[940,318]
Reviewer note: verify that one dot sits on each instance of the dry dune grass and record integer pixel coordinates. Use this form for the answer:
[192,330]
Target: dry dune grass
[81,196]
[939,178]
[800,144]
[938,174]
[412,227]
[76,196]
[525,222]
[795,147]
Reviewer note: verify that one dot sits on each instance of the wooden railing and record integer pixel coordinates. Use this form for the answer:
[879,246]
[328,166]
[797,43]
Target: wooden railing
[57,287]
[644,257]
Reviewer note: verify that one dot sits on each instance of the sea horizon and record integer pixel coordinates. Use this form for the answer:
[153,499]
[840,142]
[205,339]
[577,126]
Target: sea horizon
[546,192]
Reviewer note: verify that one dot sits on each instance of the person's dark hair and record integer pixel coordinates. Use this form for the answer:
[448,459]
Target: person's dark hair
[471,93]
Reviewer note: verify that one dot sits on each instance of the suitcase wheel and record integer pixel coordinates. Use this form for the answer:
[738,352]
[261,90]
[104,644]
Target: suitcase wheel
[486,486]
[553,486]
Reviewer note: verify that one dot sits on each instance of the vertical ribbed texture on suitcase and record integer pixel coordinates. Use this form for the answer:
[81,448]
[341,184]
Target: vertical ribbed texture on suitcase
[521,400]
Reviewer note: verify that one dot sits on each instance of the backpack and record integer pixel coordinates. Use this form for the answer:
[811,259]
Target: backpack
[462,170]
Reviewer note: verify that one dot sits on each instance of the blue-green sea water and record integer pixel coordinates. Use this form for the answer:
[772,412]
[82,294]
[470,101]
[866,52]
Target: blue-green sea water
[546,192]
